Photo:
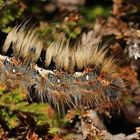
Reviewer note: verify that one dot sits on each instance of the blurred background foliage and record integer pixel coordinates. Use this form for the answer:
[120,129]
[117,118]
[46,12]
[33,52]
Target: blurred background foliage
[54,19]
[53,16]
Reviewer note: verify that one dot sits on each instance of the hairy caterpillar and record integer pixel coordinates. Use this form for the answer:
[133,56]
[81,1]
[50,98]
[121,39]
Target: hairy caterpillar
[98,85]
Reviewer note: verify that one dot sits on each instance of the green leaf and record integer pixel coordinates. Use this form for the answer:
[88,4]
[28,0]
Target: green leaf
[54,130]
